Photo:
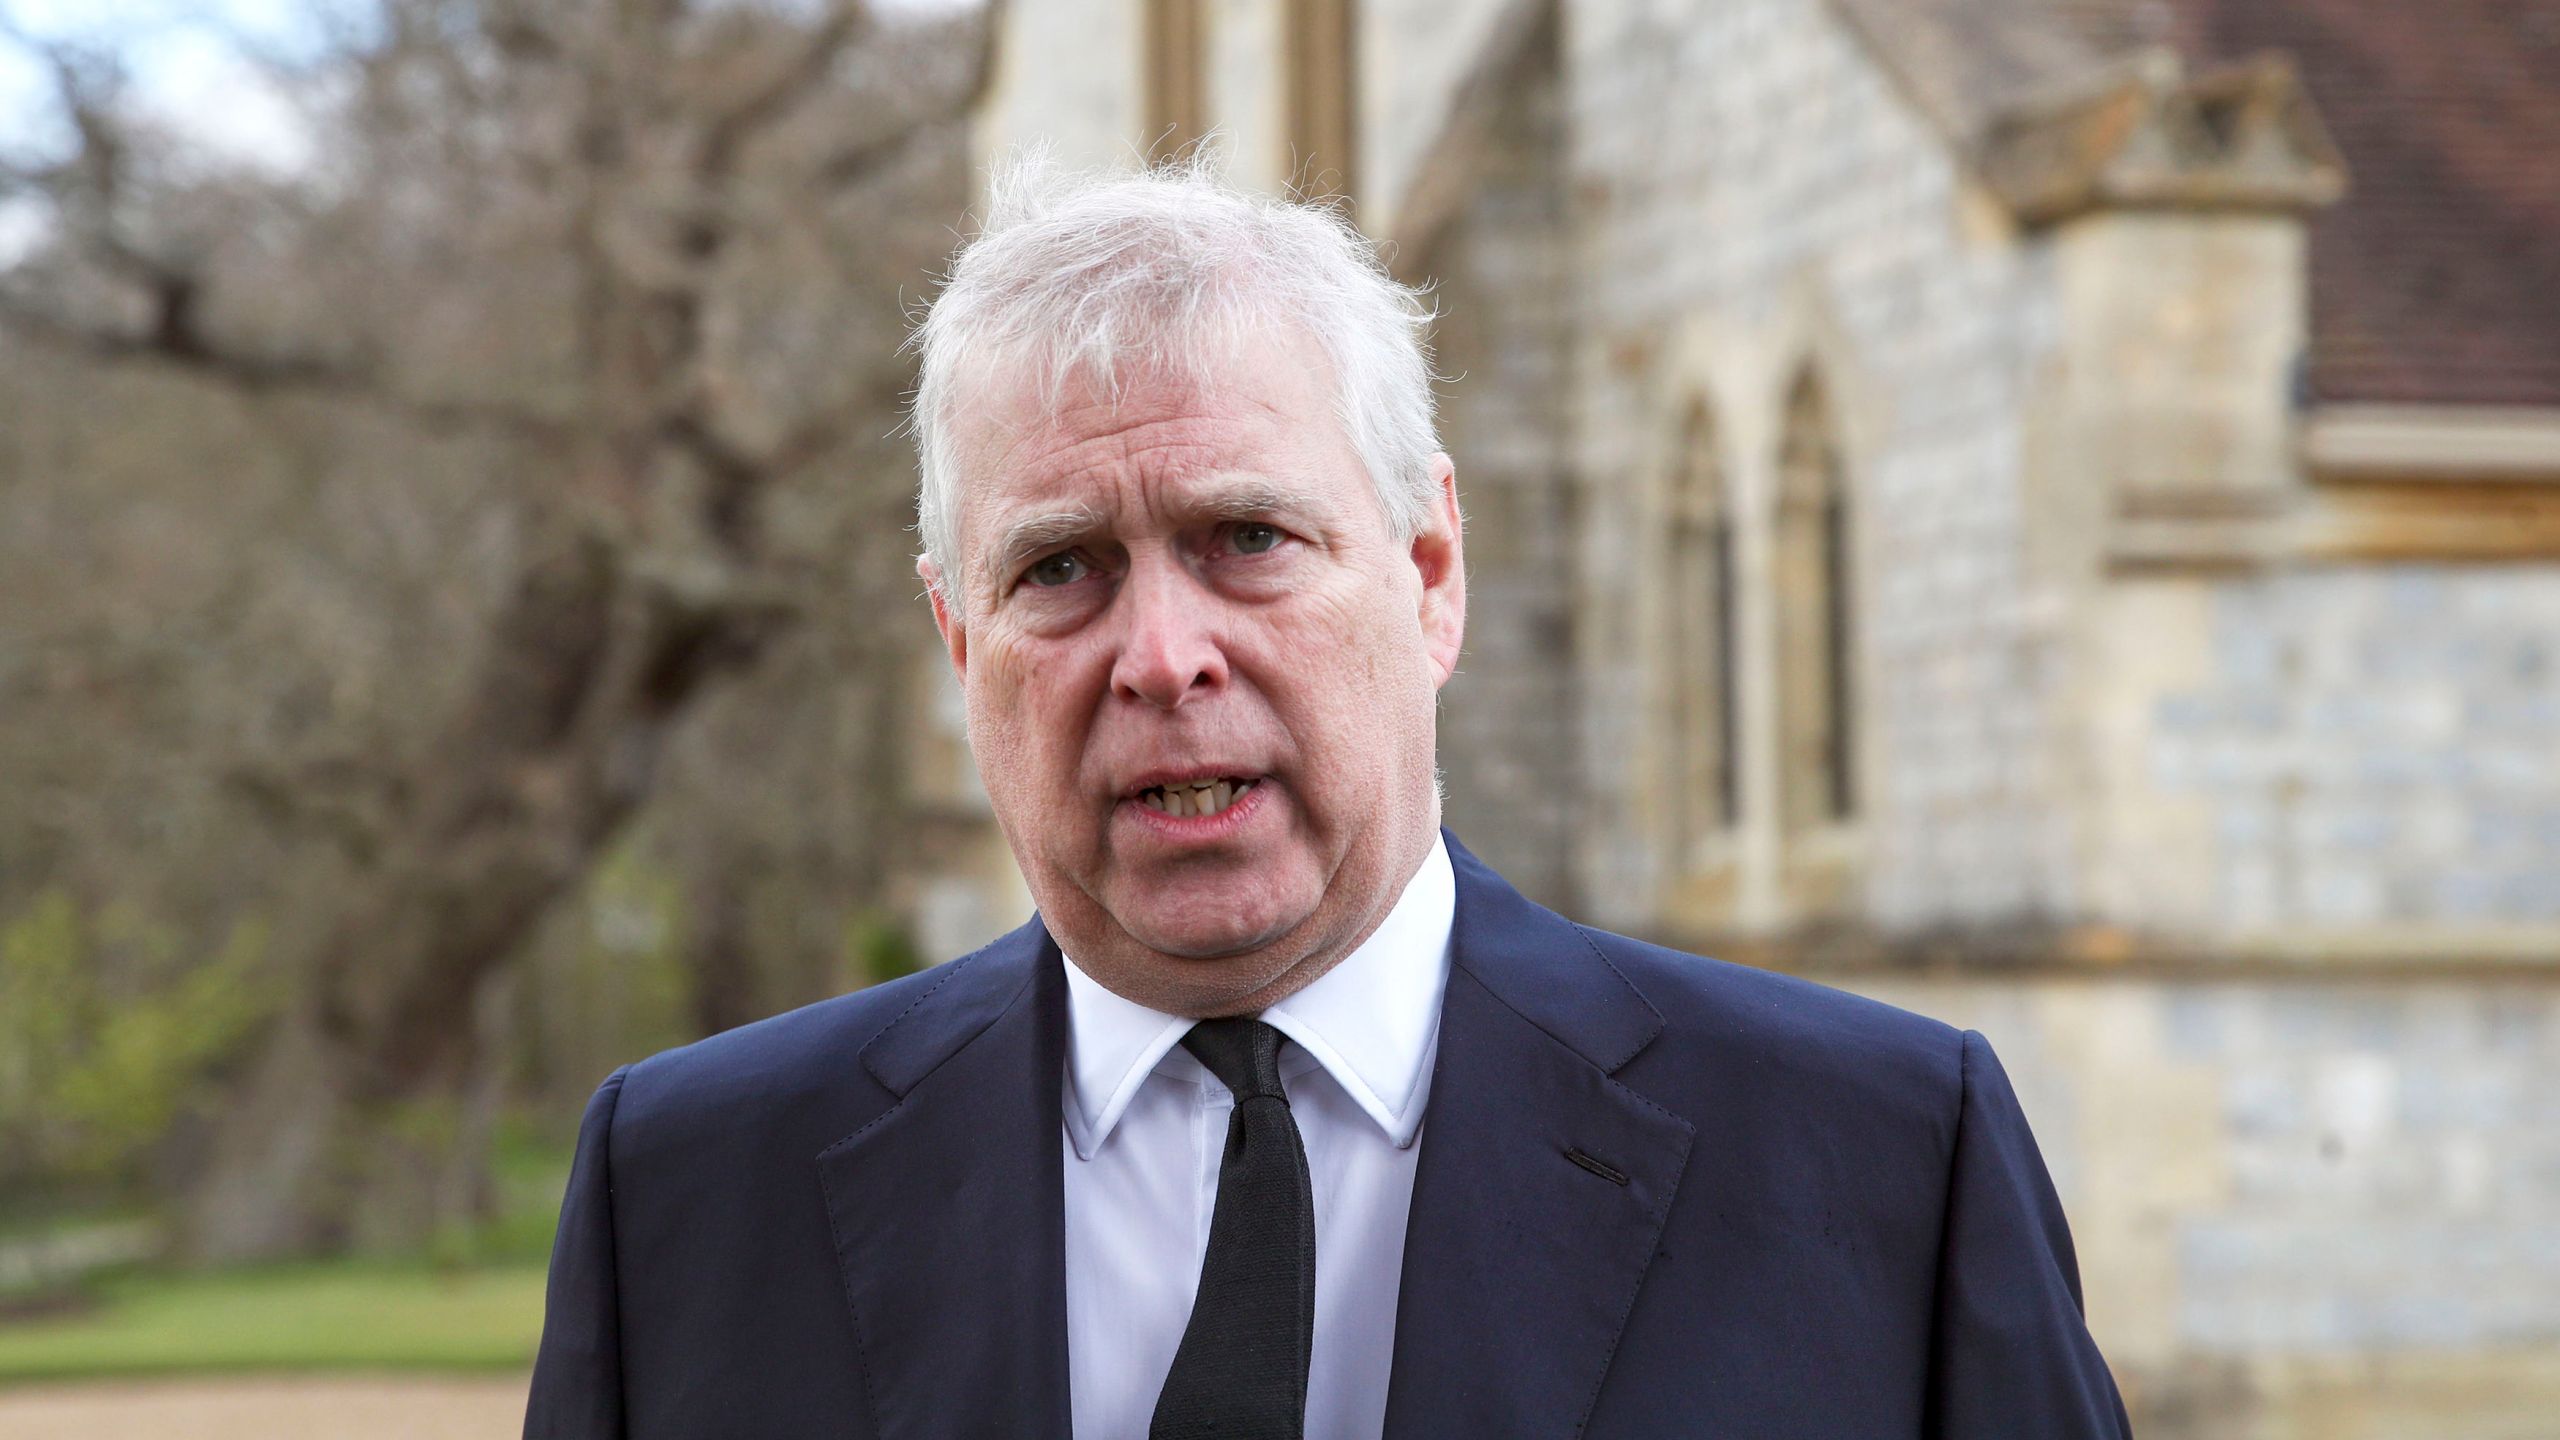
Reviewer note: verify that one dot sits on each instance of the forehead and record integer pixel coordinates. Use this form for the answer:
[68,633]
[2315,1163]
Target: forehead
[1159,437]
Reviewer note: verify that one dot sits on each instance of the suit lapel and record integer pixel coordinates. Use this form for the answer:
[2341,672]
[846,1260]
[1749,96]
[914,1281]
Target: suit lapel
[946,1206]
[1543,1183]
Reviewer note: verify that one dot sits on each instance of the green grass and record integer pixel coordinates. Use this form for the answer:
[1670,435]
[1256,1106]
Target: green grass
[473,1302]
[303,1318]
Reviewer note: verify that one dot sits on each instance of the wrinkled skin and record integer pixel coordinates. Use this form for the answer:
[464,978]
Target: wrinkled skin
[1217,592]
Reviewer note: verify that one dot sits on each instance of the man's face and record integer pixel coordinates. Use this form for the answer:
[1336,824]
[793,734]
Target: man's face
[1200,673]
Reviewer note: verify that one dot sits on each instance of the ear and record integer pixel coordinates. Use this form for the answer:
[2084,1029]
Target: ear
[1439,558]
[955,636]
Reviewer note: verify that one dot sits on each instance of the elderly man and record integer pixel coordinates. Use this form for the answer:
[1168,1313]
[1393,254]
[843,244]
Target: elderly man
[1284,1115]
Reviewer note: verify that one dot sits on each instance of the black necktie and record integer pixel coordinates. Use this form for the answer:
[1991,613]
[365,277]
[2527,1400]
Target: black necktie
[1241,1373]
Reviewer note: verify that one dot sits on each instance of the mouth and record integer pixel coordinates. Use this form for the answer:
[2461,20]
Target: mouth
[1199,797]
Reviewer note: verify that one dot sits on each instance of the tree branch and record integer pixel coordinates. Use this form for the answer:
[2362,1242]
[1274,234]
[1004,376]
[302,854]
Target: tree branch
[174,337]
[88,188]
[859,161]
[736,475]
[176,340]
[731,129]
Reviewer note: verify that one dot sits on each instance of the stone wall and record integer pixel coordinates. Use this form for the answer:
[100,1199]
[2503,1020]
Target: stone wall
[1067,78]
[1245,90]
[1508,719]
[1414,60]
[2304,1206]
[2361,757]
[2313,1197]
[1753,195]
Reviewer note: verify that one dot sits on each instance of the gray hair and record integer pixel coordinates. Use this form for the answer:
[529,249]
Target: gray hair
[1101,273]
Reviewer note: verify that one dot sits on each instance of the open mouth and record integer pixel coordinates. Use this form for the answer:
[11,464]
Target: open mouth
[1197,798]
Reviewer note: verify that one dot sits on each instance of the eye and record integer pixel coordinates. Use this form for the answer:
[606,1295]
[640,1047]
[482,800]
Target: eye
[1064,568]
[1253,537]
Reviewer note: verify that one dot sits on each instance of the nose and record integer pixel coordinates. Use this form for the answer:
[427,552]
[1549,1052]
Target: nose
[1169,650]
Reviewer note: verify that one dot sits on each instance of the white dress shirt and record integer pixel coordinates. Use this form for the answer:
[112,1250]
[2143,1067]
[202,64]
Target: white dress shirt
[1145,1127]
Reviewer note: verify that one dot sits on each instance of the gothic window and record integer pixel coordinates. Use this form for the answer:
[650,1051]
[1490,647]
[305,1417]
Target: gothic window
[1176,68]
[1817,746]
[1323,94]
[1703,775]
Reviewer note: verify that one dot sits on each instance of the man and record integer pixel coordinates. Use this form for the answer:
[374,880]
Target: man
[1284,1114]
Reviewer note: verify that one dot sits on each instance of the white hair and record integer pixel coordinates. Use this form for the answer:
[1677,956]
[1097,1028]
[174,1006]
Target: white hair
[1100,274]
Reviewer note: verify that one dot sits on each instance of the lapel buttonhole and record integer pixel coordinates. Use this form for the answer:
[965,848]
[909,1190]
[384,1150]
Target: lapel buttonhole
[1605,1171]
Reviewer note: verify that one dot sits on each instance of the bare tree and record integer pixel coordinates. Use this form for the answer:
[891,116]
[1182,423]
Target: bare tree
[619,247]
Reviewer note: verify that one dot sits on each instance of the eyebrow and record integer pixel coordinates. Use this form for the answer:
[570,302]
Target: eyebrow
[1242,500]
[1250,500]
[1032,534]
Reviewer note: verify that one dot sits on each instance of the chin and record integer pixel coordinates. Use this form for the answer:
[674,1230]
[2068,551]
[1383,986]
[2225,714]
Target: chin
[1203,912]
[1203,924]
[1188,941]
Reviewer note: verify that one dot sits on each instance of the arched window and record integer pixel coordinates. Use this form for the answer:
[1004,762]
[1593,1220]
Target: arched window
[1175,50]
[1323,95]
[1705,778]
[1818,781]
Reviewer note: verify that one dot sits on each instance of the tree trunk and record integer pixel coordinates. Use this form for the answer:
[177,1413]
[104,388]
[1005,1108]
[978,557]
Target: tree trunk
[273,1150]
[349,1125]
[721,971]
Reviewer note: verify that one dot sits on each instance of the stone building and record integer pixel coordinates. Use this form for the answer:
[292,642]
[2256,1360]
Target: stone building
[2044,511]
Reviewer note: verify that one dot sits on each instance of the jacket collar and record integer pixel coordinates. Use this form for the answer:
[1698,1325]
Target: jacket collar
[945,1207]
[1543,1184]
[1545,969]
[1540,1193]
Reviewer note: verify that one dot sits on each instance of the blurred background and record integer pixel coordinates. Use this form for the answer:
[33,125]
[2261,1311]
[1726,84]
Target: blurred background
[2043,511]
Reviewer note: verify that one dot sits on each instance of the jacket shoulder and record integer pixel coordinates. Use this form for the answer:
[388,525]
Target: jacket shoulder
[1815,1044]
[797,1077]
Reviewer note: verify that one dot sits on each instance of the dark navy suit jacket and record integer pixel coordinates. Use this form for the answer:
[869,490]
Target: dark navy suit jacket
[1803,1214]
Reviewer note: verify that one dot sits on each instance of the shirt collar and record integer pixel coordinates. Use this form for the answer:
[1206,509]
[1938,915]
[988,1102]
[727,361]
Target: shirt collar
[1372,1022]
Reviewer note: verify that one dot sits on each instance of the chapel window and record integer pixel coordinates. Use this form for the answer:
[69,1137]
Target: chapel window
[1323,95]
[1818,780]
[1704,777]
[1175,71]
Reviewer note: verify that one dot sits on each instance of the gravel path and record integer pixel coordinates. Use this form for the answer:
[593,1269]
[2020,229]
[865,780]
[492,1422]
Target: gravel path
[358,1408]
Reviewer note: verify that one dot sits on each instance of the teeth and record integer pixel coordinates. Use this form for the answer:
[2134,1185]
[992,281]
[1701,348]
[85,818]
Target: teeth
[1195,797]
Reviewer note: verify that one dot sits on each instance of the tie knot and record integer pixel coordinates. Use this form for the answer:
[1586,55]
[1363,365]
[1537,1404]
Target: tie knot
[1243,1053]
